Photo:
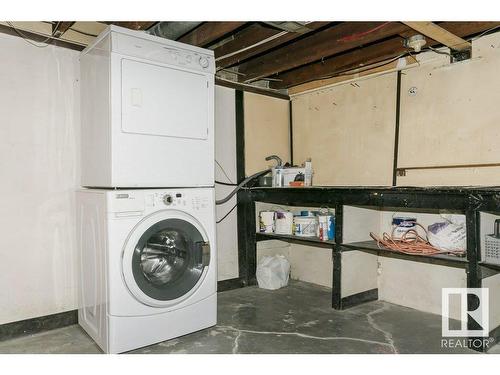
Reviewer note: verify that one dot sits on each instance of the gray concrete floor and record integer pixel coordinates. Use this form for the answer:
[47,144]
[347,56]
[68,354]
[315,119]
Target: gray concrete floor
[296,319]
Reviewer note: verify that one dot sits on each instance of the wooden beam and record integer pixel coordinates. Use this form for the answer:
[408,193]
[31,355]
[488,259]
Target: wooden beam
[371,54]
[234,51]
[209,32]
[134,25]
[339,38]
[60,27]
[40,38]
[313,85]
[249,88]
[341,63]
[440,34]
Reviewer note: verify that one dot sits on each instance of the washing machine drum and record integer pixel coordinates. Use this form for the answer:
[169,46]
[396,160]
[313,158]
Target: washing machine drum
[169,259]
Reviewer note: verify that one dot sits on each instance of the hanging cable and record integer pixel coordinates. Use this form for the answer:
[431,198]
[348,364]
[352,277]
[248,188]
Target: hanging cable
[82,32]
[224,171]
[226,215]
[26,38]
[224,183]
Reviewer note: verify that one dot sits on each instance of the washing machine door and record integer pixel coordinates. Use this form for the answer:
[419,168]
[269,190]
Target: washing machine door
[165,258]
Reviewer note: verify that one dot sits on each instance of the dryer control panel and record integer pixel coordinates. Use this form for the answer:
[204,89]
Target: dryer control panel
[176,199]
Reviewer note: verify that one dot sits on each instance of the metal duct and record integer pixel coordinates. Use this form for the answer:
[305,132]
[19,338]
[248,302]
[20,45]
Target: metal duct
[172,30]
[291,26]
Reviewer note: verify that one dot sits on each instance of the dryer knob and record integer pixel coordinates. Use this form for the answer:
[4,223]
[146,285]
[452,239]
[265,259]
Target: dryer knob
[167,199]
[204,62]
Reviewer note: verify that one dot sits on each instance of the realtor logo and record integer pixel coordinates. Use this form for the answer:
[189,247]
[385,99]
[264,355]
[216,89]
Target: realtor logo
[478,313]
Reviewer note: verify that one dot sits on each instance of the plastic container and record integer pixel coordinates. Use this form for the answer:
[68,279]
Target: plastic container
[323,228]
[305,226]
[402,224]
[266,222]
[283,223]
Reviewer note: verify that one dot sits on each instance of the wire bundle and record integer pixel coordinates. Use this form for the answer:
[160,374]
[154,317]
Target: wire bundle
[411,243]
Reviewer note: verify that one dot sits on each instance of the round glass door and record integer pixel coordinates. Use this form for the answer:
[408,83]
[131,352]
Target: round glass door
[169,258]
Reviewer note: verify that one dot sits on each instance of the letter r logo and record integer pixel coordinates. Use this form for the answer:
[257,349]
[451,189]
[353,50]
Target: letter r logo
[474,307]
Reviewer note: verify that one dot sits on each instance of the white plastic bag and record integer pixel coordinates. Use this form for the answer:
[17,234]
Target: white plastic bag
[273,272]
[449,235]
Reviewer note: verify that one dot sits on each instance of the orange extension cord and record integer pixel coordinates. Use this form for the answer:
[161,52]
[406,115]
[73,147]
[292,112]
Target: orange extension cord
[411,243]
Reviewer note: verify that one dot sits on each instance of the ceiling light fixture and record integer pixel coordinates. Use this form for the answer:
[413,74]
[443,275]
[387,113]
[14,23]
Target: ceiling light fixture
[416,42]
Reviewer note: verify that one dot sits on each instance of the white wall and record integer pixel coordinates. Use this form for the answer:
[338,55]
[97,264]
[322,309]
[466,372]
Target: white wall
[39,168]
[225,154]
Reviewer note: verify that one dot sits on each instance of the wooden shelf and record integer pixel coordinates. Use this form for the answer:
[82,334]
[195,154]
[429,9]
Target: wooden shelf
[372,247]
[313,241]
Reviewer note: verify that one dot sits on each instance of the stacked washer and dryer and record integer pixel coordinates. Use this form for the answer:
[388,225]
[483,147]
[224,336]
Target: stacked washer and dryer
[146,214]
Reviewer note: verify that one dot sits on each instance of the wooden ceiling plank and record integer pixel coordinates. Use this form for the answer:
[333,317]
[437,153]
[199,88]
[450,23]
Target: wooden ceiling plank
[228,53]
[334,40]
[60,27]
[369,55]
[348,61]
[209,32]
[443,36]
[244,39]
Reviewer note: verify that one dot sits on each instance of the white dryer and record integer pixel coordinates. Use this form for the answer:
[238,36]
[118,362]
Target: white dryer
[148,265]
[147,112]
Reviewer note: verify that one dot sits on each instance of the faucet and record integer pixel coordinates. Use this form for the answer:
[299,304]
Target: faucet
[279,163]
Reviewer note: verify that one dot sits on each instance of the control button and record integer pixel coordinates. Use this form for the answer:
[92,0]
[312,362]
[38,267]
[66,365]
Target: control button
[178,195]
[188,59]
[167,199]
[203,62]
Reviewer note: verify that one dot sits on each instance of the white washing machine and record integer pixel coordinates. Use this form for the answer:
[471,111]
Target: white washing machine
[147,112]
[148,265]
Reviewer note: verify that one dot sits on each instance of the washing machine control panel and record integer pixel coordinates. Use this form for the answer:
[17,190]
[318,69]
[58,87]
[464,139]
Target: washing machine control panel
[174,199]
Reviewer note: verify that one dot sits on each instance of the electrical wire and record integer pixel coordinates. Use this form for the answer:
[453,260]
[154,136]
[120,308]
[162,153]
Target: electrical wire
[353,37]
[225,174]
[482,34]
[438,51]
[224,183]
[411,243]
[241,185]
[383,63]
[226,215]
[360,70]
[26,38]
[82,32]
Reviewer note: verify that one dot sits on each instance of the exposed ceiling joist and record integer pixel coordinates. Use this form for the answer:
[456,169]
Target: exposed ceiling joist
[209,32]
[375,53]
[443,36]
[341,63]
[237,50]
[60,27]
[339,38]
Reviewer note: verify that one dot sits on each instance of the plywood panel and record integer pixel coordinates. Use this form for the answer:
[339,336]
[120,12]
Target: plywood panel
[451,177]
[348,131]
[453,117]
[266,130]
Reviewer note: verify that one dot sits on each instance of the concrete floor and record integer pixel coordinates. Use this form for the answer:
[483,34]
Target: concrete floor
[296,319]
